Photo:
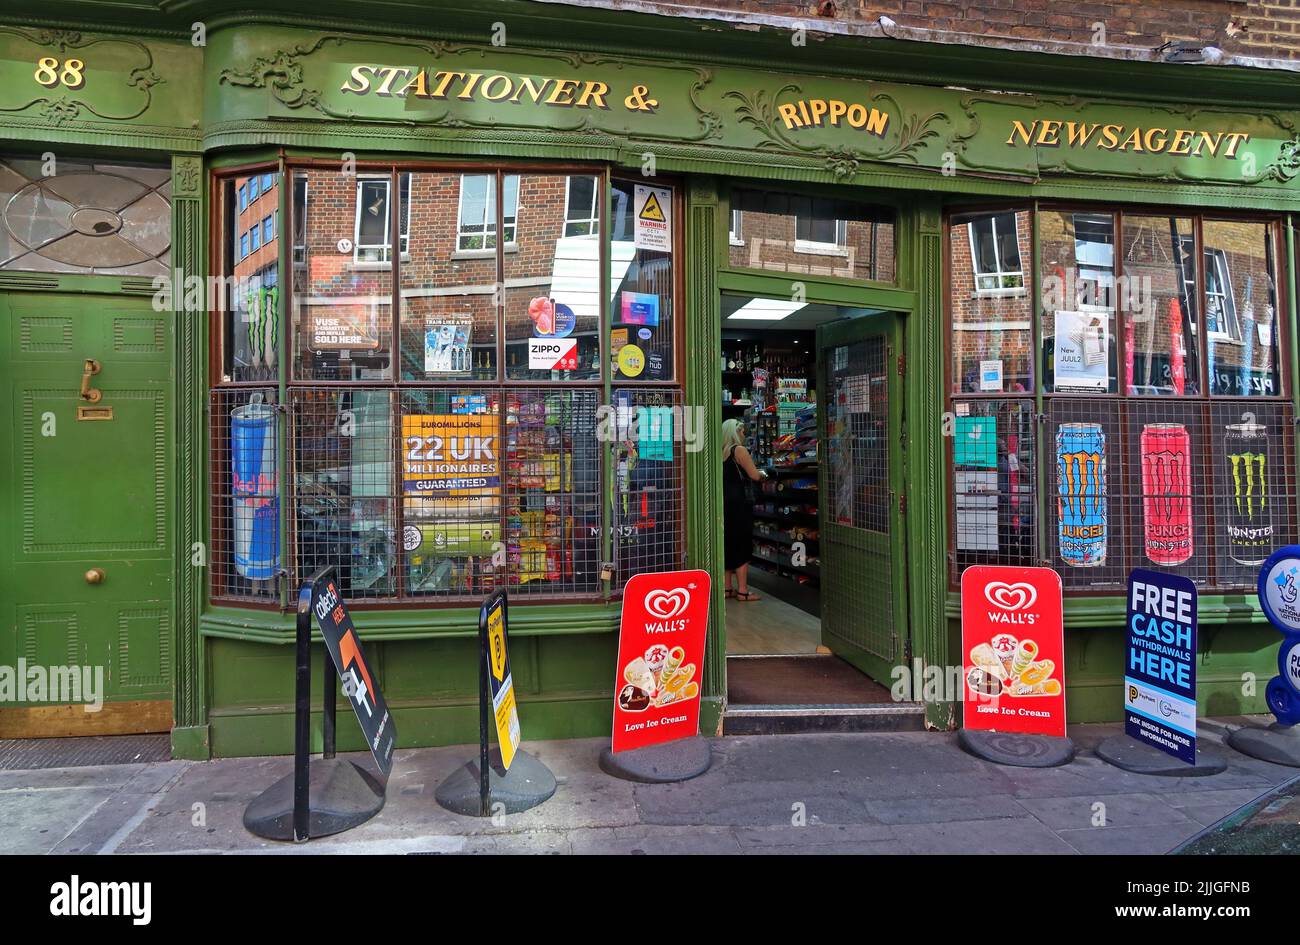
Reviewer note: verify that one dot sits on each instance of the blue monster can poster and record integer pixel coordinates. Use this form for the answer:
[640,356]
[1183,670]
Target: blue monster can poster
[1160,663]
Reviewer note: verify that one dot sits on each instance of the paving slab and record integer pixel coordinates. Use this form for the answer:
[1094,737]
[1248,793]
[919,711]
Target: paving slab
[836,793]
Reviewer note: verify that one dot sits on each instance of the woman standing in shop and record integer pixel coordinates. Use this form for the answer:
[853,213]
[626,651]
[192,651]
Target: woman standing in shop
[738,470]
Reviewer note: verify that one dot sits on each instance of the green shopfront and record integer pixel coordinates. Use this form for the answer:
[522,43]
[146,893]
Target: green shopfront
[304,266]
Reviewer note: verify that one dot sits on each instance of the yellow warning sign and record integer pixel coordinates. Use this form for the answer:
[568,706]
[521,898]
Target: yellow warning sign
[497,644]
[652,210]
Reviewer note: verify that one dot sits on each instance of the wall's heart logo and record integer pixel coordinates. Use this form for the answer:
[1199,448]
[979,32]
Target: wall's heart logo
[1010,596]
[667,604]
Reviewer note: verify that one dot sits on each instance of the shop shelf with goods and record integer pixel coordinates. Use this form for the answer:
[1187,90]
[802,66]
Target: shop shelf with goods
[786,510]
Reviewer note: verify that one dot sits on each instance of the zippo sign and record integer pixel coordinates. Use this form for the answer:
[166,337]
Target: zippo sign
[1013,642]
[552,354]
[660,658]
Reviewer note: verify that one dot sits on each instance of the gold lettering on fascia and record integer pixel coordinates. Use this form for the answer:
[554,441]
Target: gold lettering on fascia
[1183,142]
[834,113]
[399,82]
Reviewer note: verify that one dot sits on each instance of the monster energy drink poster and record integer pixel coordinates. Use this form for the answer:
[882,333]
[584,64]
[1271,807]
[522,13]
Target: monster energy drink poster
[1249,521]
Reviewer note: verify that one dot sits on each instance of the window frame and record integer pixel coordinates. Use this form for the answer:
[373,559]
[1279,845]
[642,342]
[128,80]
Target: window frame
[592,222]
[386,255]
[1001,273]
[492,218]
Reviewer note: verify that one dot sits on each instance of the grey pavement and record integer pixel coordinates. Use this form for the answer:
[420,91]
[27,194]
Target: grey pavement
[913,792]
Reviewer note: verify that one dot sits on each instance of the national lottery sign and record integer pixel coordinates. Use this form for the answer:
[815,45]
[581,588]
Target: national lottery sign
[1160,663]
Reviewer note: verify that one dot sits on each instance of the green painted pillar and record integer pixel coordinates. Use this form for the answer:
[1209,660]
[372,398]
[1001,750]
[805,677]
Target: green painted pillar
[927,481]
[189,246]
[704,396]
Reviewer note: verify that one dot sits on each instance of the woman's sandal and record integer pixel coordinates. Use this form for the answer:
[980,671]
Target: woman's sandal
[730,593]
[747,595]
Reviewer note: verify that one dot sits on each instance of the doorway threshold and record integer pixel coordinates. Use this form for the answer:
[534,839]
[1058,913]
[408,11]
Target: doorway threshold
[808,719]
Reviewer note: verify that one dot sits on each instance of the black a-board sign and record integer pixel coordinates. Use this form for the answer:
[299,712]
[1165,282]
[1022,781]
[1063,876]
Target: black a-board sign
[359,683]
[334,794]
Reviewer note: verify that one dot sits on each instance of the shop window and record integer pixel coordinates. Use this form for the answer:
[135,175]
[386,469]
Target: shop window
[1078,322]
[641,302]
[91,218]
[552,286]
[1148,465]
[248,299]
[1158,295]
[995,243]
[300,220]
[449,302]
[582,206]
[992,331]
[437,476]
[1241,307]
[342,303]
[814,236]
[477,226]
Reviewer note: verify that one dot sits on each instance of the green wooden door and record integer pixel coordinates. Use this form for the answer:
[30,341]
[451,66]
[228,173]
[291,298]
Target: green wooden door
[84,498]
[863,572]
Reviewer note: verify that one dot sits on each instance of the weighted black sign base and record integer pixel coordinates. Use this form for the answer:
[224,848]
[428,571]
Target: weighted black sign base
[342,795]
[1277,743]
[1129,754]
[527,784]
[1018,751]
[330,796]
[681,760]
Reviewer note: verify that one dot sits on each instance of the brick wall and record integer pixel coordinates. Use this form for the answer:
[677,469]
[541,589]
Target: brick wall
[1260,28]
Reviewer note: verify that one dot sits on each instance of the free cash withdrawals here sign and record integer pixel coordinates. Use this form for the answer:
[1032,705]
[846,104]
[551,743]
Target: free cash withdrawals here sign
[359,683]
[660,658]
[1160,663]
[505,711]
[1013,642]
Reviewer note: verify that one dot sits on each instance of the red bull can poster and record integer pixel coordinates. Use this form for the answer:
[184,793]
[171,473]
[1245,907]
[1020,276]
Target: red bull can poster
[255,506]
[1166,454]
[1081,493]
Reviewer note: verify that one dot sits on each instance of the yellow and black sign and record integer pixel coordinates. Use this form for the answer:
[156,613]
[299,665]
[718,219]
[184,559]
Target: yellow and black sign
[504,709]
[652,210]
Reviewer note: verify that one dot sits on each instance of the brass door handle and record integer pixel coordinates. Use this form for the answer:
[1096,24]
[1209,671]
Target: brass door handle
[95,576]
[88,393]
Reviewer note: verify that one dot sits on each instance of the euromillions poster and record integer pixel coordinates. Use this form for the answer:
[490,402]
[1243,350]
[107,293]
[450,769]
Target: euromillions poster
[1160,663]
[660,658]
[1013,639]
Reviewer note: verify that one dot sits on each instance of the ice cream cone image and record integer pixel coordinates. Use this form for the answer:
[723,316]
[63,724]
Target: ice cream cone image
[1005,645]
[1026,653]
[672,664]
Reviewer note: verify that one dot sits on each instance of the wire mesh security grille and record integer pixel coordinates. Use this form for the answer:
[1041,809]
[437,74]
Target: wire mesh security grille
[993,467]
[245,554]
[857,505]
[650,430]
[551,496]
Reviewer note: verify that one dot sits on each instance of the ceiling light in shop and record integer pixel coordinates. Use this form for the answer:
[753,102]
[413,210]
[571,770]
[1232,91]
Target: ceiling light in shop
[766,310]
